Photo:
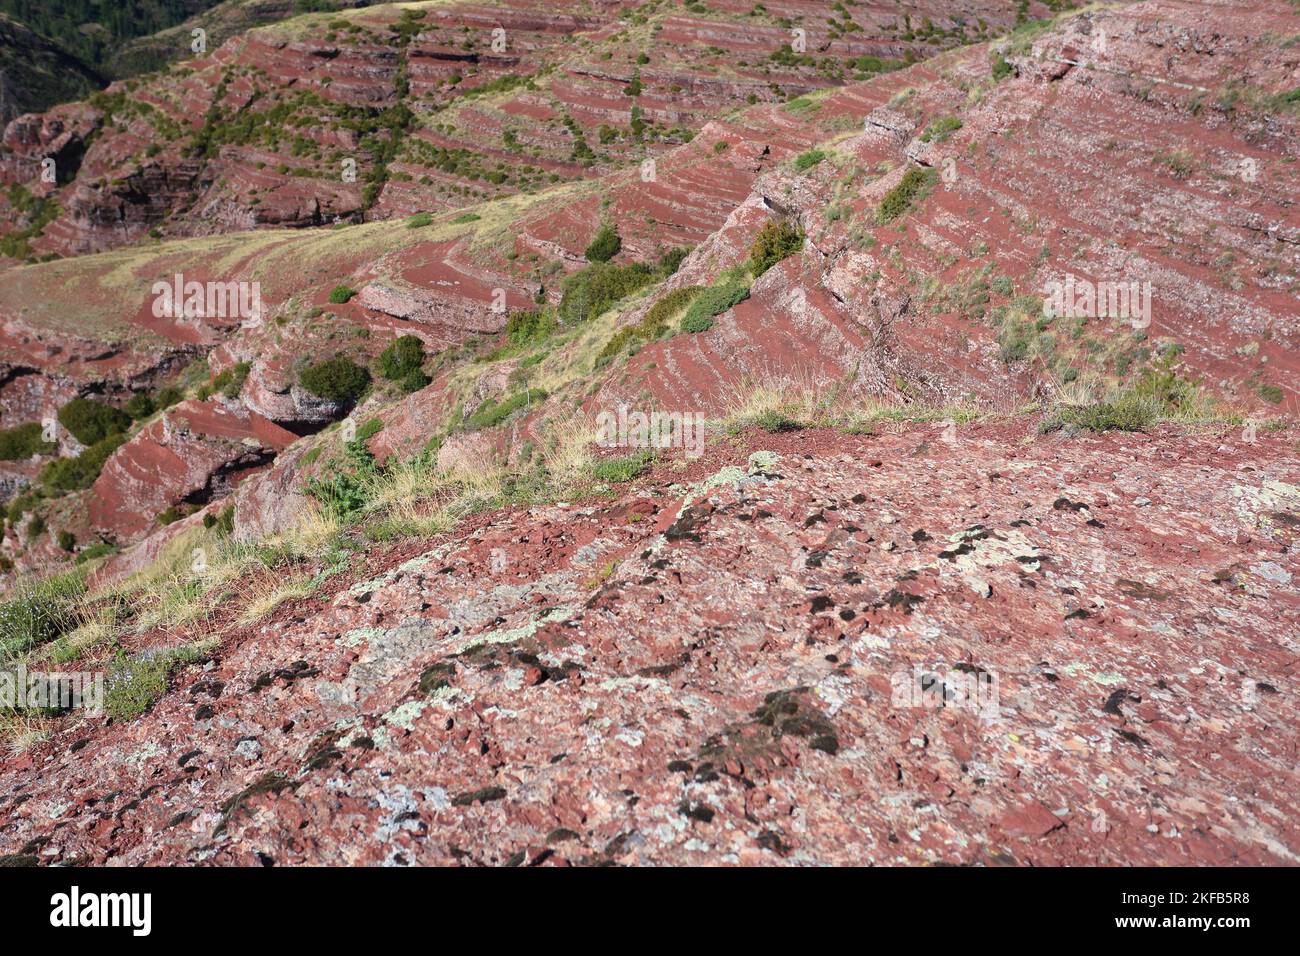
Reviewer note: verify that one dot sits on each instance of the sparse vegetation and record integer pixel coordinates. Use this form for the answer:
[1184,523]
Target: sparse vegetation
[912,188]
[807,160]
[776,240]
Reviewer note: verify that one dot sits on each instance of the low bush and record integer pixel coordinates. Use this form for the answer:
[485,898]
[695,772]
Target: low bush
[712,301]
[38,612]
[91,421]
[72,474]
[623,468]
[914,185]
[605,245]
[589,292]
[776,240]
[140,405]
[338,380]
[341,294]
[22,441]
[940,129]
[403,356]
[652,325]
[231,381]
[492,413]
[135,684]
[807,160]
[419,220]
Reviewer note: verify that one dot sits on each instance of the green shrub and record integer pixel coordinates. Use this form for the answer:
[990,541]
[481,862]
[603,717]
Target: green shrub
[73,474]
[413,381]
[135,684]
[369,430]
[671,260]
[168,396]
[590,291]
[91,421]
[623,468]
[338,380]
[403,356]
[776,240]
[97,550]
[604,245]
[230,382]
[773,420]
[1129,413]
[224,523]
[67,540]
[141,405]
[466,217]
[652,325]
[35,527]
[712,301]
[419,220]
[525,328]
[38,612]
[914,185]
[22,441]
[940,129]
[1270,393]
[170,515]
[341,294]
[492,413]
[807,160]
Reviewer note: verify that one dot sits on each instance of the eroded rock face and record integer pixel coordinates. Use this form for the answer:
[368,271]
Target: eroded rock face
[168,152]
[194,452]
[920,647]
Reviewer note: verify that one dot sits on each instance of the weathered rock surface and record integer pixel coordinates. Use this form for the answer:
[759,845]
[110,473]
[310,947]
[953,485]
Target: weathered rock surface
[893,649]
[194,452]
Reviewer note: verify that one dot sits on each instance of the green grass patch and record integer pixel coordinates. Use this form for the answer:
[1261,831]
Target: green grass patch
[22,441]
[940,129]
[713,301]
[776,240]
[807,160]
[652,325]
[911,189]
[492,413]
[38,611]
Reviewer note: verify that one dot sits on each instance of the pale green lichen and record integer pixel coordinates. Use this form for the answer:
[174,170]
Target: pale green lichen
[513,634]
[405,715]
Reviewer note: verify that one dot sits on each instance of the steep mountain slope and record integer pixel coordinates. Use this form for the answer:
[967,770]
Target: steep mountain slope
[858,312]
[92,30]
[36,73]
[400,108]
